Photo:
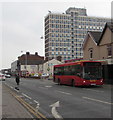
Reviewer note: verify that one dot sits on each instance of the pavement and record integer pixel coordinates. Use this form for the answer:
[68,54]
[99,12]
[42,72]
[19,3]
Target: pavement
[11,107]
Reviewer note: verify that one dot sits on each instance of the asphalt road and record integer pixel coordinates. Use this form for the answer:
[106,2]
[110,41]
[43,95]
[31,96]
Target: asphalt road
[65,101]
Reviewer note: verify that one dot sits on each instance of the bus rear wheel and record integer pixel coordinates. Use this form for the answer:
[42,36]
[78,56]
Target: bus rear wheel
[73,83]
[59,82]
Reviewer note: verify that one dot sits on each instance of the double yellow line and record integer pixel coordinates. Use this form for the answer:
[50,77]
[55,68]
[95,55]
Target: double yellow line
[31,109]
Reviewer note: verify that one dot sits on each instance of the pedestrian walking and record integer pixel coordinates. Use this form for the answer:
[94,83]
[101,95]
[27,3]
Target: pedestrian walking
[17,78]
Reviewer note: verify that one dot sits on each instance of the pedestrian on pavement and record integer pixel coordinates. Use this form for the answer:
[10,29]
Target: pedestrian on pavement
[17,78]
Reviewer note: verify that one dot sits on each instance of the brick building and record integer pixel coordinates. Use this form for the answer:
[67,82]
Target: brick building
[27,63]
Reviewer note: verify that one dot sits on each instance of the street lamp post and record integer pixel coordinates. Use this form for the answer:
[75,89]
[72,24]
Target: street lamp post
[26,61]
[42,38]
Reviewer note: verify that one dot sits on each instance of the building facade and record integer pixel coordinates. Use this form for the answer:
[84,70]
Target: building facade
[27,63]
[47,66]
[64,33]
[13,67]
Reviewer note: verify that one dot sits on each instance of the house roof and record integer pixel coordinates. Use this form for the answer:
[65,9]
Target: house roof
[110,25]
[107,25]
[95,35]
[31,59]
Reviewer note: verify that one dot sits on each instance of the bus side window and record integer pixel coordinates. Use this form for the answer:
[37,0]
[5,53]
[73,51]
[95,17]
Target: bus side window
[76,70]
[72,70]
[61,71]
[69,70]
[58,71]
[65,70]
[79,71]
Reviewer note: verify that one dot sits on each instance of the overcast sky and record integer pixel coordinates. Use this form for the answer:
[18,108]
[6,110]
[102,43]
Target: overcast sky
[22,23]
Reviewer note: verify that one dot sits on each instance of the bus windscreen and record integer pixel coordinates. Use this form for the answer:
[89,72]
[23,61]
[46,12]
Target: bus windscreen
[92,71]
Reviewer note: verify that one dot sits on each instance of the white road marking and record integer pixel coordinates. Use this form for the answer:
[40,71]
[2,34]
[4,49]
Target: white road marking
[63,92]
[98,100]
[48,86]
[16,90]
[54,111]
[37,107]
[36,101]
[93,90]
[11,87]
[26,96]
[43,88]
[7,84]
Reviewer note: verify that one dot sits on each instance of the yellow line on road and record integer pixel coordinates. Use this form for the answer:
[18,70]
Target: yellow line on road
[34,110]
[29,107]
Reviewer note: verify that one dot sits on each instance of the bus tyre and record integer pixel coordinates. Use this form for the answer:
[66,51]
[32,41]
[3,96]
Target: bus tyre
[59,83]
[73,83]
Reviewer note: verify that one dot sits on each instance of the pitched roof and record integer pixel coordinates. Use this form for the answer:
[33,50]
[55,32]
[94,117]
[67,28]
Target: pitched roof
[110,25]
[96,35]
[31,59]
[107,25]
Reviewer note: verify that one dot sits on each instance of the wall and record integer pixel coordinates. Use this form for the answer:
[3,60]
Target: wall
[90,44]
[106,39]
[49,65]
[14,66]
[30,68]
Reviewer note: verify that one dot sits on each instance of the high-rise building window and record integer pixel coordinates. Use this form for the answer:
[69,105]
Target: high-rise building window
[60,49]
[72,56]
[64,49]
[56,49]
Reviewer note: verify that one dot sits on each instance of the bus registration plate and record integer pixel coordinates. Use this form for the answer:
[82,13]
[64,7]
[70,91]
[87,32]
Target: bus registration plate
[92,80]
[93,84]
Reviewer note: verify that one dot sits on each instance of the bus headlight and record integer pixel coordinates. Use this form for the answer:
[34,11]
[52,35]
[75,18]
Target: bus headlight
[84,81]
[101,80]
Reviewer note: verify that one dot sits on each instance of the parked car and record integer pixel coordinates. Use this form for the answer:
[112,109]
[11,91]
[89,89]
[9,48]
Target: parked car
[2,77]
[36,75]
[7,75]
[45,75]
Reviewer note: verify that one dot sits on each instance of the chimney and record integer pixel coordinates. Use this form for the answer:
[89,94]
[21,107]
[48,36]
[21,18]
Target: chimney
[27,53]
[36,53]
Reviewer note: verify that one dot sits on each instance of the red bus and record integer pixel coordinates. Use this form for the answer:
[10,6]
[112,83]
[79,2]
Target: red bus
[79,73]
